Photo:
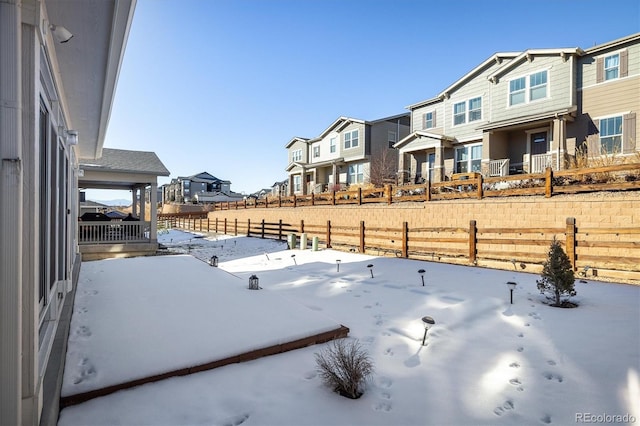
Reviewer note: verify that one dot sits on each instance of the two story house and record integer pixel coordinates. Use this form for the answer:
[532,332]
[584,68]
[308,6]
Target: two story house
[201,187]
[343,154]
[521,112]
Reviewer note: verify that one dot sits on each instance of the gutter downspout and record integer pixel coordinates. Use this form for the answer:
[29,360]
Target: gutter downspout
[11,225]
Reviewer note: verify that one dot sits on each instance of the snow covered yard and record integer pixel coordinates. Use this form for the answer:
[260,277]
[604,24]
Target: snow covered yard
[486,362]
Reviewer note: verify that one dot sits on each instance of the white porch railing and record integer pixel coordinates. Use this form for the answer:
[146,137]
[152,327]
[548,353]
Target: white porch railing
[499,167]
[113,232]
[540,162]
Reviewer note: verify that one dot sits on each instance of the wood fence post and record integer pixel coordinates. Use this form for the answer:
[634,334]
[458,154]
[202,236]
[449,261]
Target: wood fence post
[405,239]
[295,200]
[245,203]
[427,191]
[279,200]
[333,197]
[313,199]
[236,203]
[548,182]
[279,229]
[328,234]
[362,236]
[235,226]
[479,180]
[389,194]
[208,224]
[571,241]
[262,230]
[248,227]
[359,196]
[216,225]
[225,226]
[302,225]
[472,241]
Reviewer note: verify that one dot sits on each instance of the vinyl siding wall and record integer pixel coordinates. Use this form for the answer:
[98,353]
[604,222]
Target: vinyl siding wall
[559,88]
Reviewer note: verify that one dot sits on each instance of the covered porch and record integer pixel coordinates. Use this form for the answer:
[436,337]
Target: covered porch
[422,157]
[137,172]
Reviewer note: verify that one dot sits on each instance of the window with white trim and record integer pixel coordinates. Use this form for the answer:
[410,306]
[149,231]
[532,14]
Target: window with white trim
[459,113]
[467,111]
[316,151]
[297,183]
[296,155]
[356,174]
[332,145]
[351,139]
[429,122]
[611,135]
[529,88]
[475,109]
[468,158]
[612,67]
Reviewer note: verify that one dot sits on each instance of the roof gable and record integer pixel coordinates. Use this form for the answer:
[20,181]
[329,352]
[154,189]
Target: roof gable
[528,55]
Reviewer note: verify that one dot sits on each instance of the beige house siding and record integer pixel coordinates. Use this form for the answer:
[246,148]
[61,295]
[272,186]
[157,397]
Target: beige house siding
[560,88]
[417,118]
[357,153]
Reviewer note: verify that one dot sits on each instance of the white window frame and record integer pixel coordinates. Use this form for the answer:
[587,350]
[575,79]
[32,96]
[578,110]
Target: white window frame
[332,145]
[467,114]
[528,88]
[297,183]
[296,155]
[355,173]
[469,110]
[469,160]
[351,139]
[462,114]
[619,136]
[616,68]
[316,151]
[428,120]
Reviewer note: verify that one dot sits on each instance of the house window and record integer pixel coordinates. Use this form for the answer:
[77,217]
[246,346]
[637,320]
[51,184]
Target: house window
[332,145]
[611,135]
[459,113]
[392,139]
[351,139]
[475,109]
[429,121]
[468,158]
[529,88]
[538,86]
[296,155]
[297,183]
[355,173]
[517,91]
[316,151]
[611,67]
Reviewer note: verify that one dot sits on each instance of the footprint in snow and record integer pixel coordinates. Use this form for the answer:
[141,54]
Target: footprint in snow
[515,381]
[83,331]
[236,420]
[86,372]
[551,376]
[551,362]
[385,382]
[508,405]
[520,334]
[388,352]
[520,349]
[310,375]
[514,365]
[385,395]
[82,310]
[367,306]
[383,406]
[546,419]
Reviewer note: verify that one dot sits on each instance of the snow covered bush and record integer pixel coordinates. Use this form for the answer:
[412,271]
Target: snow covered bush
[558,277]
[345,366]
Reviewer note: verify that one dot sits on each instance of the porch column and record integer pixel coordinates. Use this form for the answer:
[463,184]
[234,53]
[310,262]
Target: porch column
[11,201]
[303,181]
[153,213]
[559,141]
[438,168]
[143,205]
[290,187]
[134,200]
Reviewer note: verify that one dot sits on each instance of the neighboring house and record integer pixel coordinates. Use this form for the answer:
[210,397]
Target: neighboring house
[92,207]
[521,112]
[56,102]
[280,188]
[343,153]
[184,189]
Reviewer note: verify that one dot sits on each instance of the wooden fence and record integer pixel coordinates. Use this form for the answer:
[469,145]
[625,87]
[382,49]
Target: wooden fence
[589,249]
[621,177]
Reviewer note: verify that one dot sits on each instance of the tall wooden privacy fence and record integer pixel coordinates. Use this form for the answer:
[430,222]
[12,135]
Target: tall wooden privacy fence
[590,249]
[620,177]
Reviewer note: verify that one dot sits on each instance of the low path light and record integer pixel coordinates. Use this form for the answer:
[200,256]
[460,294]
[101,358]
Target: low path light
[512,286]
[421,272]
[293,256]
[370,266]
[213,261]
[337,265]
[427,322]
[254,283]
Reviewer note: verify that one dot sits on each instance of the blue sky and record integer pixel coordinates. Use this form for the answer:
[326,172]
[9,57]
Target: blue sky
[222,85]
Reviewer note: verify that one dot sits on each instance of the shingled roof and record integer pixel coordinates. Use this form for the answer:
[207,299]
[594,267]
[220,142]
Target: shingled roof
[123,160]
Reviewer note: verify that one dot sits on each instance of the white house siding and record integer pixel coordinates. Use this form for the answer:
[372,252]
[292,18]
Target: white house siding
[325,148]
[559,88]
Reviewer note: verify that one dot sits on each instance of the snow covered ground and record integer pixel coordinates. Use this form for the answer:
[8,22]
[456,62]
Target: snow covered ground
[486,361]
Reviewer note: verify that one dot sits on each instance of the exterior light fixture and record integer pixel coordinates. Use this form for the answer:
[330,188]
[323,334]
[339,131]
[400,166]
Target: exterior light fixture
[71,137]
[254,283]
[421,272]
[60,33]
[370,266]
[427,322]
[512,286]
[293,256]
[213,261]
[337,265]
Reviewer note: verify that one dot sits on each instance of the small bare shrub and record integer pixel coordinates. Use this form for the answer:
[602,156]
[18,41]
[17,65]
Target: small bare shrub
[345,366]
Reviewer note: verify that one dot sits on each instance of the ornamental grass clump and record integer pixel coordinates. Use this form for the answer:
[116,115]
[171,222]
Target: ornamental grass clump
[557,278]
[345,366]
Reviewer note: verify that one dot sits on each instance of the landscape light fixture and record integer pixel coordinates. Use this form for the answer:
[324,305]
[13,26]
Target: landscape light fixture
[337,265]
[370,266]
[293,256]
[213,261]
[60,33]
[427,322]
[254,283]
[512,286]
[421,272]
